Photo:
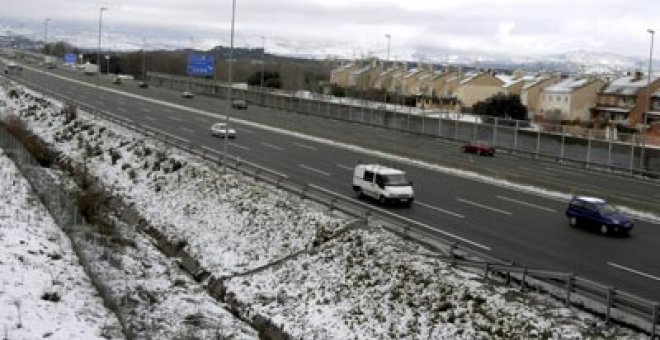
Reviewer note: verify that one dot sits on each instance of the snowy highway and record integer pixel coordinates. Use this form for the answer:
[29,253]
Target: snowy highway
[527,228]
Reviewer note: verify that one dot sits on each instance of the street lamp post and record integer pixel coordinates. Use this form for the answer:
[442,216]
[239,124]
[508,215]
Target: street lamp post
[231,88]
[389,39]
[98,52]
[107,64]
[648,101]
[46,21]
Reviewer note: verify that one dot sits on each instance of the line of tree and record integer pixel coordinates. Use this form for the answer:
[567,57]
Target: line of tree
[503,106]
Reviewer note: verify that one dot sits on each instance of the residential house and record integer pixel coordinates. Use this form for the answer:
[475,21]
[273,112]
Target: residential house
[477,87]
[530,94]
[625,100]
[571,98]
[365,77]
[340,75]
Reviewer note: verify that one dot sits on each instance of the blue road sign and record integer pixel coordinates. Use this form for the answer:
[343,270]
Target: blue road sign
[200,65]
[70,58]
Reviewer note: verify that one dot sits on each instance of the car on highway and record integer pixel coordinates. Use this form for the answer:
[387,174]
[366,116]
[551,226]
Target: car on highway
[143,85]
[385,184]
[239,104]
[221,130]
[116,80]
[478,147]
[187,95]
[596,213]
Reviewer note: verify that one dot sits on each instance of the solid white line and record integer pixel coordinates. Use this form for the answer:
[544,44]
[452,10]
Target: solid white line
[239,146]
[526,204]
[210,149]
[188,130]
[483,206]
[383,211]
[304,146]
[648,276]
[344,167]
[268,145]
[174,118]
[150,118]
[439,209]
[314,170]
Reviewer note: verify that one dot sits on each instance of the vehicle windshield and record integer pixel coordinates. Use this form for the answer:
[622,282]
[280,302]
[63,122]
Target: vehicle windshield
[395,180]
[607,209]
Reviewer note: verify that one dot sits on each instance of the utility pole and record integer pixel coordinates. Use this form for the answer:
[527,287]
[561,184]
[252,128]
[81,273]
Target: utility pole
[231,88]
[648,101]
[98,51]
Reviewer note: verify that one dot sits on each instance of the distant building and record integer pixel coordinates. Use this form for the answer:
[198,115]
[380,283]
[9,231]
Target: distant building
[340,75]
[625,100]
[477,87]
[570,99]
[530,94]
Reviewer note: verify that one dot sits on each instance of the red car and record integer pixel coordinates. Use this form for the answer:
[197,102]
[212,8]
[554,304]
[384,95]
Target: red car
[479,147]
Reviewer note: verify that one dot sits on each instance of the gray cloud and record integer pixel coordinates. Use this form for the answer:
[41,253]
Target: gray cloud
[357,27]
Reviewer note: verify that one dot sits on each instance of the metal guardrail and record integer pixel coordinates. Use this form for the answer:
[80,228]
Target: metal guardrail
[575,290]
[616,156]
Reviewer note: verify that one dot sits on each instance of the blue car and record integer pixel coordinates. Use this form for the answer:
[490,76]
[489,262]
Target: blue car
[596,214]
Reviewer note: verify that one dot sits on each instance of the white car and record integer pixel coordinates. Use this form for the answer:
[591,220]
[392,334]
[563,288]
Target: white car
[385,184]
[187,95]
[221,130]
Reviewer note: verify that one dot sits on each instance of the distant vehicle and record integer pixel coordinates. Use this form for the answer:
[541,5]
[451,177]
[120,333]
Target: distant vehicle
[385,184]
[221,130]
[239,104]
[143,85]
[49,62]
[479,147]
[187,94]
[595,213]
[90,69]
[116,80]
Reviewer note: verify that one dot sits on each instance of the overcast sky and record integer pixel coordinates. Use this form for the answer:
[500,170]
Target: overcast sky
[352,28]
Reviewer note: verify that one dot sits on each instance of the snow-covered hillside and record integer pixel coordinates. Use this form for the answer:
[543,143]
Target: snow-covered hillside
[282,258]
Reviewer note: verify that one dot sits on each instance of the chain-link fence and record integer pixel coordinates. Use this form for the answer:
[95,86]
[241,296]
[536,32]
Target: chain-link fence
[599,149]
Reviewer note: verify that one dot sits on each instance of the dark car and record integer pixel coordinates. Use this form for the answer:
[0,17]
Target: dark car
[116,80]
[143,85]
[239,104]
[479,147]
[187,95]
[595,213]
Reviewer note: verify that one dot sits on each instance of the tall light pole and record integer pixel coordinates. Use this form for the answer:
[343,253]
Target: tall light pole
[263,61]
[648,100]
[46,21]
[231,87]
[98,52]
[389,39]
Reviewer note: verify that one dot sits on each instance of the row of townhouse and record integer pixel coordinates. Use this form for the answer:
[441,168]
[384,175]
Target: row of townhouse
[548,97]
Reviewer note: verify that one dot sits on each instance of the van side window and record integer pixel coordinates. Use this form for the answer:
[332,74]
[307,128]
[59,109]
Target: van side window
[368,176]
[380,181]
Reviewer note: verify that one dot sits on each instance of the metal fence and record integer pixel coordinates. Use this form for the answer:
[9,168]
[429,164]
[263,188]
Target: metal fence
[611,303]
[591,148]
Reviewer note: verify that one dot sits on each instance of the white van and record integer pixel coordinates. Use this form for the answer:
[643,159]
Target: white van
[387,185]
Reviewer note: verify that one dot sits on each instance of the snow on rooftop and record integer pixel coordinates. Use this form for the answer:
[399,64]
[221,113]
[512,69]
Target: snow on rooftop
[567,85]
[626,85]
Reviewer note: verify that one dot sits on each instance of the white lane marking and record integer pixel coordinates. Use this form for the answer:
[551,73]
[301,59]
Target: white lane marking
[526,204]
[383,211]
[153,119]
[245,130]
[168,134]
[483,206]
[304,146]
[439,209]
[174,118]
[314,170]
[465,174]
[268,145]
[240,146]
[188,130]
[219,153]
[648,276]
[345,167]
